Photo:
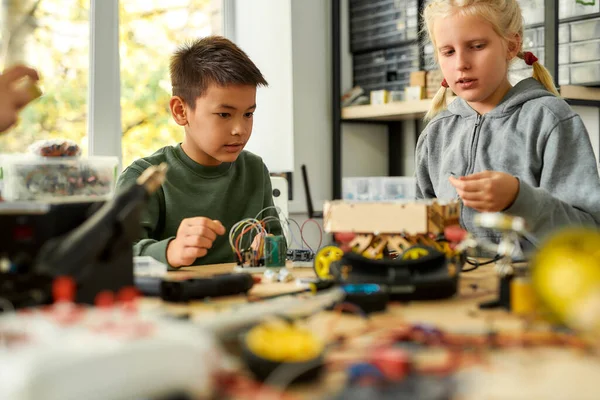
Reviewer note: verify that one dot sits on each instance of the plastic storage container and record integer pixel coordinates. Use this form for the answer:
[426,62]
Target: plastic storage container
[380,23]
[27,177]
[397,188]
[585,30]
[386,69]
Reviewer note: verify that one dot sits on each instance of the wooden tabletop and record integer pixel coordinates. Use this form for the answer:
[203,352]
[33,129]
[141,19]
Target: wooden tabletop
[521,373]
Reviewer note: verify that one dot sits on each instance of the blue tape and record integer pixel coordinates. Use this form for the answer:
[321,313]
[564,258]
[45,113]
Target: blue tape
[366,288]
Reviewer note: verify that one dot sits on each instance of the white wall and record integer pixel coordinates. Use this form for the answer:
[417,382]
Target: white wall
[263,29]
[591,120]
[311,56]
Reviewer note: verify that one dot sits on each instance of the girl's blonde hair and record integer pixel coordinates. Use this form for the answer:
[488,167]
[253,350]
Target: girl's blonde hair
[507,21]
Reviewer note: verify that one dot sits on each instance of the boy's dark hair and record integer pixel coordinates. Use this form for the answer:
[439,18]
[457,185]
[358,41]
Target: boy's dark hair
[213,59]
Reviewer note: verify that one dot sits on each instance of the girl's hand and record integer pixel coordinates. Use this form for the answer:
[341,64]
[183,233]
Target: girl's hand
[487,191]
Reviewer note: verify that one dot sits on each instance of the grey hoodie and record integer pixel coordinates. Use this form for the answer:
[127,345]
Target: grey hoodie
[532,135]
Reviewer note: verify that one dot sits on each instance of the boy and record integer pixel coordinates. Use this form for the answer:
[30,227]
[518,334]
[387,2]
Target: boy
[211,182]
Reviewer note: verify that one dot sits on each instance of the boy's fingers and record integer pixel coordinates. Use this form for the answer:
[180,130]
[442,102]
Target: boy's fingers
[197,241]
[195,221]
[191,253]
[218,227]
[200,230]
[213,225]
[17,72]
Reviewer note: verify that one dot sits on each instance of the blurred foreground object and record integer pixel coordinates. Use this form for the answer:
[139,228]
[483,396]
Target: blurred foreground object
[565,274]
[18,87]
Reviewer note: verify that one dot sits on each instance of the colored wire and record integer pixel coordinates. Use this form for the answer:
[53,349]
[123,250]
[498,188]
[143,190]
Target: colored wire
[239,225]
[268,208]
[285,224]
[300,244]
[320,234]
[283,220]
[245,225]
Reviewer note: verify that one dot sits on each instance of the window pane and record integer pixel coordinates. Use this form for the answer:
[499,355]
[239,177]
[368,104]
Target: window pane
[53,37]
[150,31]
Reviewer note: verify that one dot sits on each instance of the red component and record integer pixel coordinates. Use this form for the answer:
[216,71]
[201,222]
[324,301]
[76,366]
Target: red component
[127,294]
[393,362]
[105,299]
[256,279]
[454,233]
[63,289]
[344,237]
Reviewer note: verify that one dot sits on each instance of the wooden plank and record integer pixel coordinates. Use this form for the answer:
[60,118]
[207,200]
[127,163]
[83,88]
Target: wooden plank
[580,92]
[387,112]
[396,111]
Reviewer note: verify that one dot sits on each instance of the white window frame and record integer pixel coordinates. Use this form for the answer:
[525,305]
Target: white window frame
[104,93]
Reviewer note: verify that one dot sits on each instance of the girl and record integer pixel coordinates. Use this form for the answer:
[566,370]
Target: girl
[519,150]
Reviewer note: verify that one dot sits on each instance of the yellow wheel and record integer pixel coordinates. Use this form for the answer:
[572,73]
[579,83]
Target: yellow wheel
[414,253]
[373,254]
[565,274]
[324,258]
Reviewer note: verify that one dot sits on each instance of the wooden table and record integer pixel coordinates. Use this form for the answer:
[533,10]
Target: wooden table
[533,373]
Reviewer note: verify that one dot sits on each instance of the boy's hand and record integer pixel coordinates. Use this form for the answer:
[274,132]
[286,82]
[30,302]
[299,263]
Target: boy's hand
[14,97]
[487,191]
[194,237]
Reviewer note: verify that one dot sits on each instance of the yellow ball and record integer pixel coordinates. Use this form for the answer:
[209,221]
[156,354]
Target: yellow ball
[566,277]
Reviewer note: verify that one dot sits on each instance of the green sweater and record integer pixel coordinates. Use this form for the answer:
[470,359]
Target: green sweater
[229,193]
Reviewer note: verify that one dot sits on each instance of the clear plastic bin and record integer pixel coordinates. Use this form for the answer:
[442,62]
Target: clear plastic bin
[584,51]
[585,73]
[567,9]
[585,30]
[396,188]
[27,177]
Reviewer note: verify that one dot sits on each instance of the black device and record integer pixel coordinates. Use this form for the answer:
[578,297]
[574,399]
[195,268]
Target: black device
[432,276]
[183,290]
[27,226]
[303,255]
[97,254]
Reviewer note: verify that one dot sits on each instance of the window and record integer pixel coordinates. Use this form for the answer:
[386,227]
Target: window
[53,37]
[150,31]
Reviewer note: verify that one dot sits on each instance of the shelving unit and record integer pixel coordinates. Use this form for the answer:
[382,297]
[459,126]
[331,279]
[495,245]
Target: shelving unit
[393,114]
[408,110]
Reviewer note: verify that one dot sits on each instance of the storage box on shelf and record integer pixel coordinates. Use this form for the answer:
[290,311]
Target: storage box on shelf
[27,177]
[578,52]
[397,188]
[533,10]
[377,24]
[383,39]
